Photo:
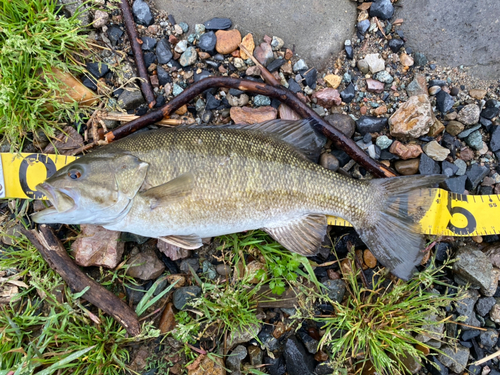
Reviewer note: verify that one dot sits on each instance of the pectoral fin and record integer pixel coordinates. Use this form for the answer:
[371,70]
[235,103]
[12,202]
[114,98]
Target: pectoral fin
[302,236]
[179,187]
[191,241]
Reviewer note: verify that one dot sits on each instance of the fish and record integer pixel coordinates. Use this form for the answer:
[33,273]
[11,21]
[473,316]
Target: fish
[186,183]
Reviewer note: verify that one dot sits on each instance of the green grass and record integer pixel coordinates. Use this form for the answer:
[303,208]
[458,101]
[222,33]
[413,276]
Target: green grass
[32,40]
[378,327]
[46,328]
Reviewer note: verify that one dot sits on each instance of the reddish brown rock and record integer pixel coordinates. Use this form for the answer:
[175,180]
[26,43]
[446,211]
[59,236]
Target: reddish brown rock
[98,247]
[145,265]
[172,251]
[327,97]
[227,41]
[380,110]
[203,55]
[249,44]
[407,167]
[369,259]
[246,115]
[413,118]
[466,154]
[264,53]
[288,54]
[405,152]
[372,85]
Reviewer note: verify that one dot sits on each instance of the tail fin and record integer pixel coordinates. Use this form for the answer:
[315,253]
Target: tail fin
[391,232]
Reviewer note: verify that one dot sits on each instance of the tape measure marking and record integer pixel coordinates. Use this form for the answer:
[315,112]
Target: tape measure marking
[449,215]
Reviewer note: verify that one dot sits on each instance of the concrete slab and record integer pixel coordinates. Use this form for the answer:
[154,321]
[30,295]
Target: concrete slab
[317,28]
[454,33]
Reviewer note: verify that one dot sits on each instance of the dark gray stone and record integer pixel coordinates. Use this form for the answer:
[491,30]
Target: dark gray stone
[115,34]
[370,124]
[218,24]
[187,263]
[435,367]
[298,361]
[98,70]
[348,93]
[148,43]
[495,138]
[275,65]
[142,13]
[310,343]
[468,132]
[455,184]
[396,44]
[444,101]
[420,59]
[428,166]
[207,42]
[461,36]
[135,293]
[203,74]
[233,361]
[363,27]
[293,86]
[484,305]
[449,169]
[342,122]
[490,112]
[489,338]
[310,78]
[475,175]
[454,357]
[163,76]
[382,9]
[149,58]
[275,366]
[474,267]
[336,289]
[164,51]
[183,295]
[130,99]
[333,22]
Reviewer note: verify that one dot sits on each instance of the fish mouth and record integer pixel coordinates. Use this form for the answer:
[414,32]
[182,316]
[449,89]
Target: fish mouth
[61,200]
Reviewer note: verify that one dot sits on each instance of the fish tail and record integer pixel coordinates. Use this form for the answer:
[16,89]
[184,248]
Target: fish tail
[391,232]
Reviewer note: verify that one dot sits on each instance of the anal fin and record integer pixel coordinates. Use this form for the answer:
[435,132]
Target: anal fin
[303,235]
[192,241]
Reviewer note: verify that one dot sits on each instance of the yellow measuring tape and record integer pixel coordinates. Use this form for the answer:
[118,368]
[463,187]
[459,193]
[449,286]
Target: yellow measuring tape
[449,215]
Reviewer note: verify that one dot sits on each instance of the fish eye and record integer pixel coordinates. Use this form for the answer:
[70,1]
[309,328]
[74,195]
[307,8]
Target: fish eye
[74,174]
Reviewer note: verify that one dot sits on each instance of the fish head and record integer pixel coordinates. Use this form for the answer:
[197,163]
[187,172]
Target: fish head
[95,189]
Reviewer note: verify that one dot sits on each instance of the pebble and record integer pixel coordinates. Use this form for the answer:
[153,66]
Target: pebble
[148,43]
[130,99]
[209,365]
[373,85]
[298,361]
[199,29]
[434,90]
[207,42]
[405,152]
[300,65]
[414,118]
[233,361]
[187,263]
[435,151]
[249,44]
[488,338]
[142,13]
[475,140]
[428,166]
[238,101]
[475,175]
[363,66]
[264,53]
[418,86]
[342,122]
[444,101]
[246,115]
[420,59]
[277,43]
[172,251]
[383,142]
[407,167]
[473,267]
[177,89]
[98,70]
[348,93]
[382,9]
[261,100]
[469,115]
[184,26]
[223,269]
[490,112]
[454,357]
[369,124]
[484,305]
[218,24]
[369,259]
[363,27]
[227,41]
[395,44]
[100,19]
[327,97]
[449,169]
[115,34]
[329,161]
[335,289]
[97,247]
[163,51]
[145,265]
[375,62]
[183,295]
[255,355]
[495,139]
[455,127]
[167,320]
[406,60]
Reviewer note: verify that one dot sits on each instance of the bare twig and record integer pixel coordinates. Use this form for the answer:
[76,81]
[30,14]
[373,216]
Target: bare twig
[339,139]
[58,259]
[125,117]
[487,358]
[133,37]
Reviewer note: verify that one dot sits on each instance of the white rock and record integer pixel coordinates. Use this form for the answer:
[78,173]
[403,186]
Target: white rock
[375,62]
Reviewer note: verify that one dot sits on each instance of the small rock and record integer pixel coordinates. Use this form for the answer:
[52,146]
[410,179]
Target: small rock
[382,9]
[242,336]
[336,289]
[167,320]
[432,330]
[444,101]
[327,97]
[227,41]
[148,43]
[246,115]
[436,129]
[414,118]
[418,86]
[130,99]
[264,53]
[298,361]
[98,70]
[100,19]
[454,127]
[218,24]
[363,66]
[277,43]
[256,355]
[348,93]
[454,357]
[163,51]
[394,44]
[209,366]
[406,60]
[478,94]
[97,247]
[172,251]
[207,42]
[329,161]
[184,295]
[310,343]
[484,305]
[384,77]
[237,101]
[420,59]
[333,80]
[475,175]
[261,100]
[142,13]
[369,259]
[434,90]
[373,85]
[495,139]
[145,265]
[435,151]
[223,269]
[474,267]
[189,262]
[375,63]
[495,313]
[475,140]
[428,166]
[462,167]
[383,142]
[407,167]
[115,34]
[405,152]
[489,338]
[342,122]
[249,44]
[369,124]
[181,46]
[177,89]
[300,65]
[469,115]
[188,57]
[490,112]
[233,361]
[456,184]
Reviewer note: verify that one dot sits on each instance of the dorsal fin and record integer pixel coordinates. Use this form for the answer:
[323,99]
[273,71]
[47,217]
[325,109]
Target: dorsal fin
[299,133]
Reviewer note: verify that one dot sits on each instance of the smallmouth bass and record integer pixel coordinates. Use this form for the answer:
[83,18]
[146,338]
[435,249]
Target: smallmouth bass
[187,183]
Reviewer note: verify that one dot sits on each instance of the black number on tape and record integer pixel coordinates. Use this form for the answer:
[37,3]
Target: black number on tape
[23,172]
[471,220]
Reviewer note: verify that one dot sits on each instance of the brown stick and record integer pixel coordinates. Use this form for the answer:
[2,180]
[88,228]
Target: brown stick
[133,37]
[58,259]
[284,95]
